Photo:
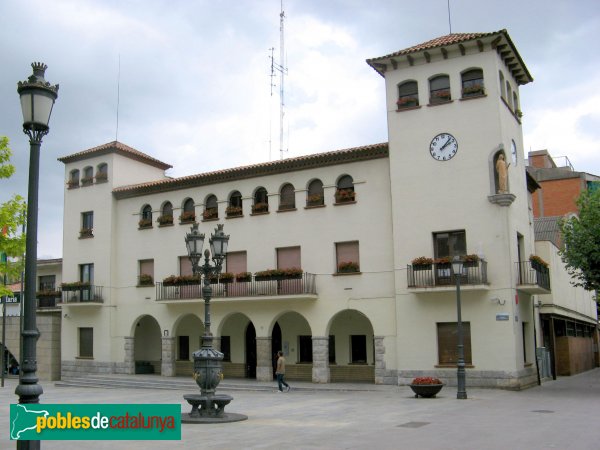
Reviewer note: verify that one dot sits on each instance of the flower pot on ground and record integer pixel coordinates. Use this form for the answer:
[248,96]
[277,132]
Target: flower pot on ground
[427,387]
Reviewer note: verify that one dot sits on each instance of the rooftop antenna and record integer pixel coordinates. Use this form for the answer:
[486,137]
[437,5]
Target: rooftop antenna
[279,67]
[118,97]
[272,85]
[449,21]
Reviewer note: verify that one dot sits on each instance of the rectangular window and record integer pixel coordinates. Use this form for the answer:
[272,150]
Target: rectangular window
[185,266]
[449,244]
[226,348]
[86,273]
[447,333]
[358,349]
[184,348]
[347,257]
[146,268]
[47,283]
[288,258]
[87,220]
[86,342]
[305,346]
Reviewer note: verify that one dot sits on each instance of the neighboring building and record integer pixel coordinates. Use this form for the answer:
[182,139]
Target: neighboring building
[48,292]
[561,185]
[356,221]
[568,315]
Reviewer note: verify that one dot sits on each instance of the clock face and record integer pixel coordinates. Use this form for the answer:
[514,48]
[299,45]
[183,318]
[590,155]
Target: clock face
[443,147]
[513,151]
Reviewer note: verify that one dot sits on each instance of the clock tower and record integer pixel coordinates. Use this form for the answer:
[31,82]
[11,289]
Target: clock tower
[458,186]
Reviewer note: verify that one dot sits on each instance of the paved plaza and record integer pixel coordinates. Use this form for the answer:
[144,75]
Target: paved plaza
[561,414]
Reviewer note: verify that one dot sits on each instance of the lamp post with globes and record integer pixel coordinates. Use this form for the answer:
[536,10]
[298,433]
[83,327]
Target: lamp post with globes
[37,99]
[461,392]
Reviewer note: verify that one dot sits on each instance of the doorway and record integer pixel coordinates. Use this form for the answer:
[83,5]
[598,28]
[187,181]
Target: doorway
[250,351]
[275,346]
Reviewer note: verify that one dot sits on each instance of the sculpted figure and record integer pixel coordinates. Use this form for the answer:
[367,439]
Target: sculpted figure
[502,170]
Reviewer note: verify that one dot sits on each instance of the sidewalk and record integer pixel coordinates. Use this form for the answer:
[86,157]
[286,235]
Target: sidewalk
[559,414]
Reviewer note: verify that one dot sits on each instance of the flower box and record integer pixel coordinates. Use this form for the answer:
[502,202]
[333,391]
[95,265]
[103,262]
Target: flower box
[348,267]
[101,177]
[165,220]
[233,211]
[407,102]
[210,213]
[344,196]
[86,232]
[145,280]
[183,280]
[145,223]
[260,208]
[422,263]
[314,200]
[75,286]
[86,181]
[187,217]
[243,277]
[538,263]
[278,274]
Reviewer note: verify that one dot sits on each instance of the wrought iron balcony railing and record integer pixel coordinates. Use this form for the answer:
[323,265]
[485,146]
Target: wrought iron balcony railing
[440,275]
[303,285]
[82,294]
[531,274]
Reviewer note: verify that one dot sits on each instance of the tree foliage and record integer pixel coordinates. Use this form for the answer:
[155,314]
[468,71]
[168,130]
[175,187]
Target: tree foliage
[581,242]
[12,217]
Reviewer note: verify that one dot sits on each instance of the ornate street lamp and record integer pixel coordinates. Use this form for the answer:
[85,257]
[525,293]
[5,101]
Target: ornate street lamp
[208,406]
[461,393]
[37,100]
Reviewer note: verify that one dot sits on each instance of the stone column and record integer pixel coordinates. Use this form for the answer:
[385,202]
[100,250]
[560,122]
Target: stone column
[380,369]
[129,344]
[320,350]
[167,366]
[264,365]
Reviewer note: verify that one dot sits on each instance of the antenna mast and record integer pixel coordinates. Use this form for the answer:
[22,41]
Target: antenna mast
[282,71]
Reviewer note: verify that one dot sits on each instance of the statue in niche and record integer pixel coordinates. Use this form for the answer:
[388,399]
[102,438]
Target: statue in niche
[502,172]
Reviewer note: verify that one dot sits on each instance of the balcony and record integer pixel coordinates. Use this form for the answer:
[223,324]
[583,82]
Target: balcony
[84,294]
[532,278]
[439,277]
[48,298]
[303,287]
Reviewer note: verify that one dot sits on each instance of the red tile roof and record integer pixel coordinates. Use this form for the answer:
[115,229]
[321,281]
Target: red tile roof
[268,168]
[119,148]
[501,40]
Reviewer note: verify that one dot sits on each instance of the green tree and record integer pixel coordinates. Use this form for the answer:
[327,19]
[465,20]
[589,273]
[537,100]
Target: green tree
[581,242]
[12,217]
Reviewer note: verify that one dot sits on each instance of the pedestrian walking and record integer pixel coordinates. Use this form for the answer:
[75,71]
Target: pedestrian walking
[280,372]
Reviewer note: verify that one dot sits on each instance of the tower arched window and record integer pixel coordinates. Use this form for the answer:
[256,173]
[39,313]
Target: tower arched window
[235,208]
[101,173]
[261,201]
[315,195]
[345,190]
[439,89]
[509,95]
[472,83]
[408,94]
[502,85]
[188,213]
[73,179]
[146,217]
[166,214]
[211,209]
[287,197]
[88,176]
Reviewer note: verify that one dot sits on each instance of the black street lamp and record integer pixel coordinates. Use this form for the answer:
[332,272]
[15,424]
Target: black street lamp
[461,393]
[207,360]
[37,100]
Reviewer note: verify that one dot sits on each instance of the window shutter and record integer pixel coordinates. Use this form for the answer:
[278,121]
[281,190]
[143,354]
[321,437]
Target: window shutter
[347,252]
[288,258]
[185,266]
[147,267]
[236,262]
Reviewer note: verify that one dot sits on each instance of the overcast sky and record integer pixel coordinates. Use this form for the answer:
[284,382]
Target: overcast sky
[195,86]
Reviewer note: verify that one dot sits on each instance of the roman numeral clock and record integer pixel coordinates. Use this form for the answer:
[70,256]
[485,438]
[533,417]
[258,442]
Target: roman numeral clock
[443,147]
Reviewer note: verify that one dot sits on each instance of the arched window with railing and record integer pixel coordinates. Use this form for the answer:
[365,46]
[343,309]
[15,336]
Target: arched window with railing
[166,214]
[287,197]
[235,207]
[315,194]
[188,213]
[344,192]
[261,201]
[73,179]
[211,209]
[472,83]
[146,217]
[439,89]
[408,94]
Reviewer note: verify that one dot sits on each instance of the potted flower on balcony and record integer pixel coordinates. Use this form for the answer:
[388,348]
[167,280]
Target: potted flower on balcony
[183,280]
[72,184]
[443,262]
[422,263]
[344,196]
[473,91]
[101,177]
[75,285]
[146,280]
[243,277]
[538,263]
[233,211]
[145,223]
[226,277]
[294,273]
[86,233]
[427,387]
[165,219]
[348,267]
[259,208]
[314,200]
[470,260]
[210,214]
[187,217]
[440,96]
[87,181]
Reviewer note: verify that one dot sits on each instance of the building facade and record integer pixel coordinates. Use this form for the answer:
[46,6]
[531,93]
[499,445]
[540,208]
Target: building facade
[340,259]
